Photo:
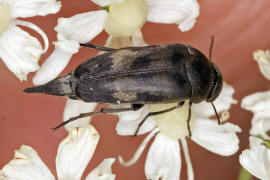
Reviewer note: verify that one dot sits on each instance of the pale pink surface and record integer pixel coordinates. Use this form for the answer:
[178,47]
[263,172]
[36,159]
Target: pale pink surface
[239,28]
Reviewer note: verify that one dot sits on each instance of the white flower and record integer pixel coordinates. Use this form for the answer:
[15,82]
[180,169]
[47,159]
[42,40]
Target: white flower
[256,160]
[73,155]
[259,104]
[18,49]
[163,159]
[74,108]
[122,18]
[263,60]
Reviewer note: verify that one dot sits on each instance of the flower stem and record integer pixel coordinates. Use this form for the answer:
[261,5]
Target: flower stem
[244,175]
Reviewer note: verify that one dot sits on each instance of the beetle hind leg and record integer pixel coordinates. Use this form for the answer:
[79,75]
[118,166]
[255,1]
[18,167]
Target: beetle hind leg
[100,48]
[101,111]
[156,113]
[136,106]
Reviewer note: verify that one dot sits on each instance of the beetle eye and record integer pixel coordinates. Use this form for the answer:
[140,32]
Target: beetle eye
[217,85]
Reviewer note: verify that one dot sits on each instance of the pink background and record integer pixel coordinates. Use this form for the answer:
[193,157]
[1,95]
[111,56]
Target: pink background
[239,28]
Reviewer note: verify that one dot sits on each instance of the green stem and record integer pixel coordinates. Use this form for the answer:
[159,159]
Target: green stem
[107,8]
[244,175]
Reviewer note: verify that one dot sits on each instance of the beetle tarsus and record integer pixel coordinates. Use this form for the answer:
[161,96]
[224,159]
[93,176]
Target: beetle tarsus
[100,48]
[156,113]
[188,120]
[216,113]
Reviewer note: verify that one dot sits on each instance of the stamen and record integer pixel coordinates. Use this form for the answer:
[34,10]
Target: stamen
[139,151]
[190,171]
[224,116]
[174,123]
[126,17]
[5,17]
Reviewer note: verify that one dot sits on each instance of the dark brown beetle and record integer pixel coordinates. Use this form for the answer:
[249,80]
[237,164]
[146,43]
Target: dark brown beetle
[169,73]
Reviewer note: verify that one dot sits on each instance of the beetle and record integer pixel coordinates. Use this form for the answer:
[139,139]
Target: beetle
[170,73]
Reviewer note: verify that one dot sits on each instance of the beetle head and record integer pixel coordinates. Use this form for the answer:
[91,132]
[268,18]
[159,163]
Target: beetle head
[217,85]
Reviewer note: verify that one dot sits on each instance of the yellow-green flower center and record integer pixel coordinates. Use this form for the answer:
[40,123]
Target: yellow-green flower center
[173,123]
[125,18]
[5,17]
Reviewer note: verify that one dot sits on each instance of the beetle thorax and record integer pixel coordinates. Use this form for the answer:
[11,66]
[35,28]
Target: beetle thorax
[173,123]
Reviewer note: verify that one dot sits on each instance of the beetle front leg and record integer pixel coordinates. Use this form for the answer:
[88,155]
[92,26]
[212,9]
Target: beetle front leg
[99,48]
[156,113]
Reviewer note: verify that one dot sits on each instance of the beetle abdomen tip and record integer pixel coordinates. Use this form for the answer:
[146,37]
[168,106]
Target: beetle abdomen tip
[28,90]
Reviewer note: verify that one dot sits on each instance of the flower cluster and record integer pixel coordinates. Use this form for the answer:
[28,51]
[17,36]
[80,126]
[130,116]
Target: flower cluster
[163,159]
[18,49]
[123,21]
[257,159]
[73,155]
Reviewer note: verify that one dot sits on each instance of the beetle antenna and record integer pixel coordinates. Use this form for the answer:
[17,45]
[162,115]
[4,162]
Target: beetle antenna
[216,112]
[211,47]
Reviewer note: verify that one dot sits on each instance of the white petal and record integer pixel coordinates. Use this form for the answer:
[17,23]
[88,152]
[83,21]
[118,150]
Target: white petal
[75,152]
[26,165]
[266,162]
[139,151]
[190,171]
[74,108]
[81,27]
[30,8]
[128,122]
[220,139]
[163,159]
[103,3]
[253,159]
[260,124]
[263,60]
[257,102]
[38,30]
[222,103]
[2,177]
[103,171]
[19,51]
[56,62]
[182,12]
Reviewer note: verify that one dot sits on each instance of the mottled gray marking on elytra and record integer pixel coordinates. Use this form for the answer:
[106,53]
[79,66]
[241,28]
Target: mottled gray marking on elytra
[125,96]
[124,58]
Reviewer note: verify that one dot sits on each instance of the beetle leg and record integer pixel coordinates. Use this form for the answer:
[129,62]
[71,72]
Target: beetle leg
[100,48]
[189,118]
[215,112]
[101,111]
[156,113]
[137,106]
